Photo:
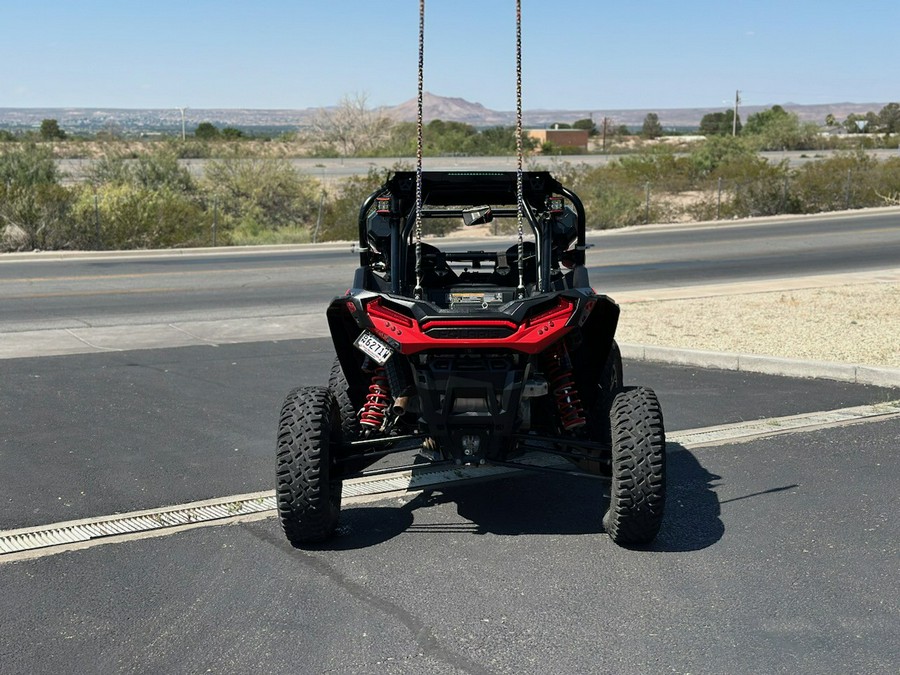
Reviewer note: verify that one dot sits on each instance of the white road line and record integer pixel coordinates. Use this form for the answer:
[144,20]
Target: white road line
[33,542]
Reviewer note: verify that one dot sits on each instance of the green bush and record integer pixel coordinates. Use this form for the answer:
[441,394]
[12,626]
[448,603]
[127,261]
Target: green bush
[849,180]
[610,200]
[160,170]
[340,214]
[33,205]
[155,170]
[262,194]
[28,164]
[129,217]
[720,153]
[658,166]
[39,214]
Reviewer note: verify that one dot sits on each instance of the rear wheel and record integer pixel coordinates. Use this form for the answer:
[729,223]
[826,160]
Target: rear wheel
[609,384]
[606,386]
[308,497]
[337,382]
[638,487]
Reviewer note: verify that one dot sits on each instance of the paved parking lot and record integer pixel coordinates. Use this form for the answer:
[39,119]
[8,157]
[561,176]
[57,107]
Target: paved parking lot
[777,554]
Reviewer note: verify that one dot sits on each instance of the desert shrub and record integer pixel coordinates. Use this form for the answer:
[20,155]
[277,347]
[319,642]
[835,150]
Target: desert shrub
[725,154]
[159,170]
[262,194]
[190,149]
[610,200]
[129,216]
[340,215]
[154,170]
[660,167]
[113,166]
[32,202]
[28,164]
[832,184]
[38,214]
[754,187]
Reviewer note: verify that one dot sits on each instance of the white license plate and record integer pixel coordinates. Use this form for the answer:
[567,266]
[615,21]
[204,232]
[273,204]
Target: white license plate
[371,346]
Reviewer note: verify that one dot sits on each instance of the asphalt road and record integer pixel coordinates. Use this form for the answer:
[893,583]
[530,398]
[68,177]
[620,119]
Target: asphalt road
[78,292]
[777,555]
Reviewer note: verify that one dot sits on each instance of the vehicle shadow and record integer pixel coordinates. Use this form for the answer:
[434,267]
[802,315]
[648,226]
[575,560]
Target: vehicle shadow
[537,504]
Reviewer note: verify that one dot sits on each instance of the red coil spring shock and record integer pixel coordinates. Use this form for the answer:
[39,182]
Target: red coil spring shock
[562,384]
[373,410]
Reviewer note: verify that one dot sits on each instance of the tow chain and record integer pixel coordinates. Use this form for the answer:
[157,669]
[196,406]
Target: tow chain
[417,293]
[520,202]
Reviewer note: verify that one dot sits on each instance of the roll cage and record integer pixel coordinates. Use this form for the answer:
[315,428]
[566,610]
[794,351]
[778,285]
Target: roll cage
[551,212]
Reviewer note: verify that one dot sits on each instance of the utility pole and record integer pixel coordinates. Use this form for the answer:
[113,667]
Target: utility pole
[737,102]
[183,136]
[605,127]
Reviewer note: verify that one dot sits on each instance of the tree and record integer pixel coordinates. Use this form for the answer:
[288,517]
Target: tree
[758,122]
[50,130]
[231,133]
[352,128]
[889,118]
[651,127]
[586,123]
[778,129]
[850,124]
[720,124]
[206,131]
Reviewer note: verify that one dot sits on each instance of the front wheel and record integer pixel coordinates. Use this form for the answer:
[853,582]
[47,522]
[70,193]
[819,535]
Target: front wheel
[637,492]
[308,498]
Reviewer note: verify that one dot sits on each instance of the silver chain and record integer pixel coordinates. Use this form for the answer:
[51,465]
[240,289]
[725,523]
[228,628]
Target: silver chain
[418,290]
[520,202]
[520,291]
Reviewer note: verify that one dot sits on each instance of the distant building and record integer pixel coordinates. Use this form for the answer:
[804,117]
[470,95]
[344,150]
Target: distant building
[561,138]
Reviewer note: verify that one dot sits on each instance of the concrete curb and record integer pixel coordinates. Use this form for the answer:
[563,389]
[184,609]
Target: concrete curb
[769,365]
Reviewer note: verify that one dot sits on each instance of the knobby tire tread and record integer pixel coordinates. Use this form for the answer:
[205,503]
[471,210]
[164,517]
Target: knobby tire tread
[337,382]
[638,487]
[308,500]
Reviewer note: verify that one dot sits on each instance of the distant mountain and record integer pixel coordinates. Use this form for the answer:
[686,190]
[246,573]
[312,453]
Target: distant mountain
[461,110]
[449,109]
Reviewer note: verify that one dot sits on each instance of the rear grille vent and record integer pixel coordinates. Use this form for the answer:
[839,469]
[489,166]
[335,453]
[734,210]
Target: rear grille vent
[469,332]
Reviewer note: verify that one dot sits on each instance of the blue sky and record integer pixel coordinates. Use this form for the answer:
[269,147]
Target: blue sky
[577,55]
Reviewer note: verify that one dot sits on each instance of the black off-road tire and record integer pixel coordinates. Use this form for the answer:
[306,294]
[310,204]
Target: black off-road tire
[638,487]
[337,382]
[609,384]
[606,386]
[308,499]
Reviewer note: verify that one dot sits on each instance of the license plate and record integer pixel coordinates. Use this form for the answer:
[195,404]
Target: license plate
[374,348]
[482,299]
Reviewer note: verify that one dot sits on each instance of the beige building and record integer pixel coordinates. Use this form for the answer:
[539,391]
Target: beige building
[561,138]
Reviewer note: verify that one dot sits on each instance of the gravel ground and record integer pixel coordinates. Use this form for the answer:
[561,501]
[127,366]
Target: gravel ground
[853,323]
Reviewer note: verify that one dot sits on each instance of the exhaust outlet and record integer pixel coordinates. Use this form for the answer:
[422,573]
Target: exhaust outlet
[400,404]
